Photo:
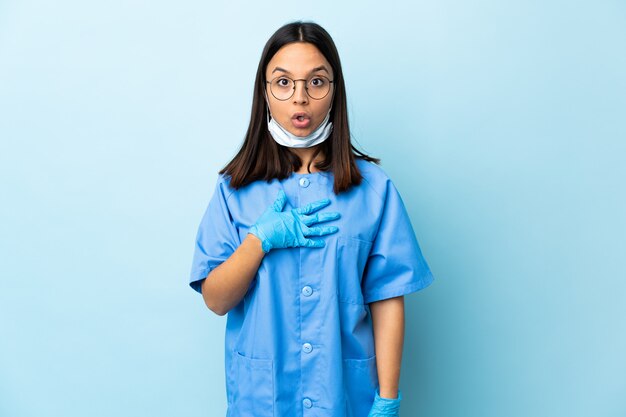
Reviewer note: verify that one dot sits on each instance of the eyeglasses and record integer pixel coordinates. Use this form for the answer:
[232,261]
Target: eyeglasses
[283,87]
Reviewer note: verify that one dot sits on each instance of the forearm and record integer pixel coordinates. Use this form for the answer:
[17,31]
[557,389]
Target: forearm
[226,285]
[388,321]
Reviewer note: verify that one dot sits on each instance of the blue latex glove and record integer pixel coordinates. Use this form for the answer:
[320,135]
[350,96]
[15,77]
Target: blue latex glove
[385,407]
[277,229]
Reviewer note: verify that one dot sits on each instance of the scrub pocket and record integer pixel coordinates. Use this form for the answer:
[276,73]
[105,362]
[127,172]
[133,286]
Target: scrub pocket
[253,387]
[352,254]
[360,381]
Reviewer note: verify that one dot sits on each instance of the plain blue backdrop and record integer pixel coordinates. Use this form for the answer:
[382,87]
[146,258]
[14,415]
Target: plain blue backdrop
[501,123]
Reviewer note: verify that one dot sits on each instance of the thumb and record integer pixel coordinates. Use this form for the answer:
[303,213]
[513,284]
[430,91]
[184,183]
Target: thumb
[280,201]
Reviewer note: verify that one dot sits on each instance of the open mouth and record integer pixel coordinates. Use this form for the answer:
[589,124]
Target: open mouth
[301,121]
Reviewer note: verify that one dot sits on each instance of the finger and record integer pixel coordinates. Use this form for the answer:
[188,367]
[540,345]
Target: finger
[321,230]
[318,218]
[314,206]
[314,243]
[280,201]
[328,216]
[307,220]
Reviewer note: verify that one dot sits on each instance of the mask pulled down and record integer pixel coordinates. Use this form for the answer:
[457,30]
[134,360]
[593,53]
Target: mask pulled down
[283,137]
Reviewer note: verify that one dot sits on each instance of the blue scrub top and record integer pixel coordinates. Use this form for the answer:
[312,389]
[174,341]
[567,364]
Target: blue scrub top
[301,342]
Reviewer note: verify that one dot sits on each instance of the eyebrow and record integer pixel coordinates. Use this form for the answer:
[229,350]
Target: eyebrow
[321,67]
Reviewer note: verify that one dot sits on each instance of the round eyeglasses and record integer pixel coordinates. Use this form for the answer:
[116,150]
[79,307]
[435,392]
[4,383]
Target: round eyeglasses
[283,87]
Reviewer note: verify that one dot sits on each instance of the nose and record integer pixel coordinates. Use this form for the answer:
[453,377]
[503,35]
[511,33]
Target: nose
[300,95]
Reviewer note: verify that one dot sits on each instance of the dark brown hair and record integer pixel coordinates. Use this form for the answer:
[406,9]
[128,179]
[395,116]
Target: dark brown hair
[261,158]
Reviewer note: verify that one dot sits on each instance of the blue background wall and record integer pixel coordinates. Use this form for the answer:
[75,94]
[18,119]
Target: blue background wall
[501,123]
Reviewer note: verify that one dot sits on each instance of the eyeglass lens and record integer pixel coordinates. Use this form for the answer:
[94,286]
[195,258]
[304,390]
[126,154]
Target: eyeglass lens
[283,87]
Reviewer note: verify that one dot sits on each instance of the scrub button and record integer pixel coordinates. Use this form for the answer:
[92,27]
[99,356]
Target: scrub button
[304,182]
[307,403]
[307,291]
[307,348]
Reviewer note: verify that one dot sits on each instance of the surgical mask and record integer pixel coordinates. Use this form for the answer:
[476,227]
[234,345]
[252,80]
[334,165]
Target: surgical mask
[286,138]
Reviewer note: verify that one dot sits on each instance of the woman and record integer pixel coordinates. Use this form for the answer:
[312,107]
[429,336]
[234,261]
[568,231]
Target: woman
[314,297]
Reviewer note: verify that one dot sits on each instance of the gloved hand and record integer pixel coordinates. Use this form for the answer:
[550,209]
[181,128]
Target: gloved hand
[277,229]
[385,407]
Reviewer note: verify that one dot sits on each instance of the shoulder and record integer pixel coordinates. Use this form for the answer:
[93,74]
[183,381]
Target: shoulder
[223,179]
[223,185]
[374,177]
[371,171]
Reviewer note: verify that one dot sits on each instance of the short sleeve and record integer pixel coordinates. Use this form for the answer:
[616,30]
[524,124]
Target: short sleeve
[395,265]
[217,237]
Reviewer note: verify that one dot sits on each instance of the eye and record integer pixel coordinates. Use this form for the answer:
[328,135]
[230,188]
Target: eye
[283,82]
[317,82]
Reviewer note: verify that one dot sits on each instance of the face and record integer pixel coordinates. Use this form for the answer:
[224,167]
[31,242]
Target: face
[299,60]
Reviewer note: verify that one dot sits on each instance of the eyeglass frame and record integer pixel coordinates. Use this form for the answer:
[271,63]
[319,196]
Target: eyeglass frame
[306,88]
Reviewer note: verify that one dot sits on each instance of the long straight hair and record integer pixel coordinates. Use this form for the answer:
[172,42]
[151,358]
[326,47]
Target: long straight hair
[262,158]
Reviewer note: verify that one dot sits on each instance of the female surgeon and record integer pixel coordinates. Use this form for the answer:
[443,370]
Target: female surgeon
[307,246]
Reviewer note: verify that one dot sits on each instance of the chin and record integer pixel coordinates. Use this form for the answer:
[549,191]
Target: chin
[300,132]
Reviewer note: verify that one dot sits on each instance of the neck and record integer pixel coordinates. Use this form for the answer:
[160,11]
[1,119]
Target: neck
[305,155]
